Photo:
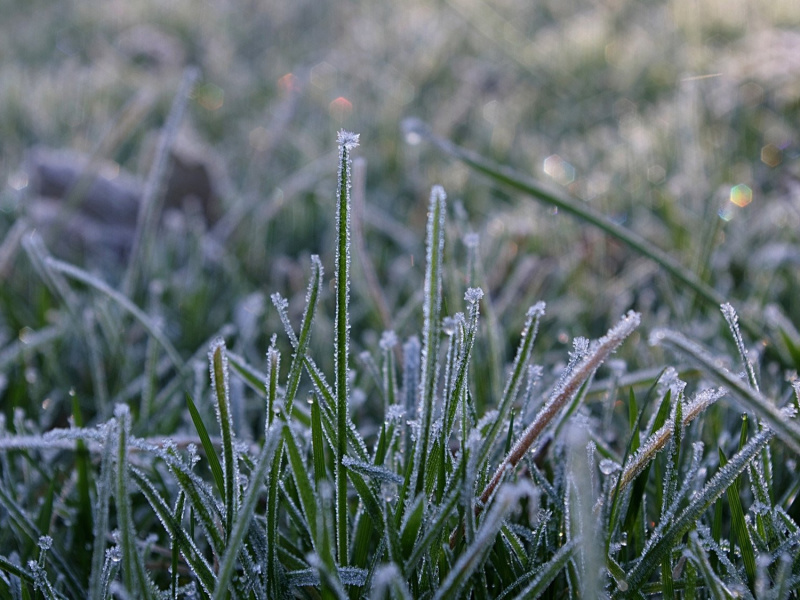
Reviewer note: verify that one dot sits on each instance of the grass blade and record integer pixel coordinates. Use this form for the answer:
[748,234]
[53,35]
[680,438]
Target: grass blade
[230,463]
[208,446]
[136,581]
[432,309]
[245,514]
[750,399]
[347,142]
[678,526]
[584,211]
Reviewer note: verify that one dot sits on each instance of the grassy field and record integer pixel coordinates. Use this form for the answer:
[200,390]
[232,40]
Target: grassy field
[354,365]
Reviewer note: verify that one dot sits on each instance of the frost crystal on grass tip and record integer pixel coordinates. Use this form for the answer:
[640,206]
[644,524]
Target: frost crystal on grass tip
[537,310]
[347,139]
[473,295]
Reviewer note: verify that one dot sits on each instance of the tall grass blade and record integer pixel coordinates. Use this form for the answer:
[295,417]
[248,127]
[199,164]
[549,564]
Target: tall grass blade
[301,345]
[136,581]
[100,530]
[518,370]
[431,308]
[222,405]
[347,142]
[150,205]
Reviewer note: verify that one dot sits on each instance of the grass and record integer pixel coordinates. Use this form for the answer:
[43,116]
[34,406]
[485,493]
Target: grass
[415,425]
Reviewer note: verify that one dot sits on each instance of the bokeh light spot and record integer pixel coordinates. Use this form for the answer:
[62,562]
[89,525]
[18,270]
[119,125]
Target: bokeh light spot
[341,108]
[771,155]
[288,83]
[741,195]
[210,96]
[559,169]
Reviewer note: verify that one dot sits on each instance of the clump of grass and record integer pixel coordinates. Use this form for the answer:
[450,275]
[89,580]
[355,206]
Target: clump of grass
[430,499]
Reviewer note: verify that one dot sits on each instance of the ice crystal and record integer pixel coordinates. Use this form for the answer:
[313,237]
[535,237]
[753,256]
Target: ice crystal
[473,295]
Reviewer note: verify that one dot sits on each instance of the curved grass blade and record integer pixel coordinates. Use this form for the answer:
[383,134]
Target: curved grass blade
[555,197]
[750,399]
[124,302]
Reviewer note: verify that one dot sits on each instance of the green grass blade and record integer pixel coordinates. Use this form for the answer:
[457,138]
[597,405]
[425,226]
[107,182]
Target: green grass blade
[104,486]
[132,566]
[518,370]
[298,360]
[347,142]
[245,515]
[208,446]
[544,575]
[786,429]
[739,526]
[230,462]
[474,555]
[182,541]
[432,308]
[715,588]
[302,481]
[718,484]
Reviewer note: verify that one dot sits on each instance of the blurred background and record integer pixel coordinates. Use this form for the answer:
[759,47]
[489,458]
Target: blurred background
[678,119]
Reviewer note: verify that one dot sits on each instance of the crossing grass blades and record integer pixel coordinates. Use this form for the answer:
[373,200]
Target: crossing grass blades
[527,500]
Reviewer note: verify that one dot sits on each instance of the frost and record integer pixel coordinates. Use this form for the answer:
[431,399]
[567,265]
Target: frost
[281,304]
[114,554]
[395,413]
[388,340]
[121,410]
[347,139]
[473,295]
[537,310]
[486,420]
[449,325]
[733,324]
[45,542]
